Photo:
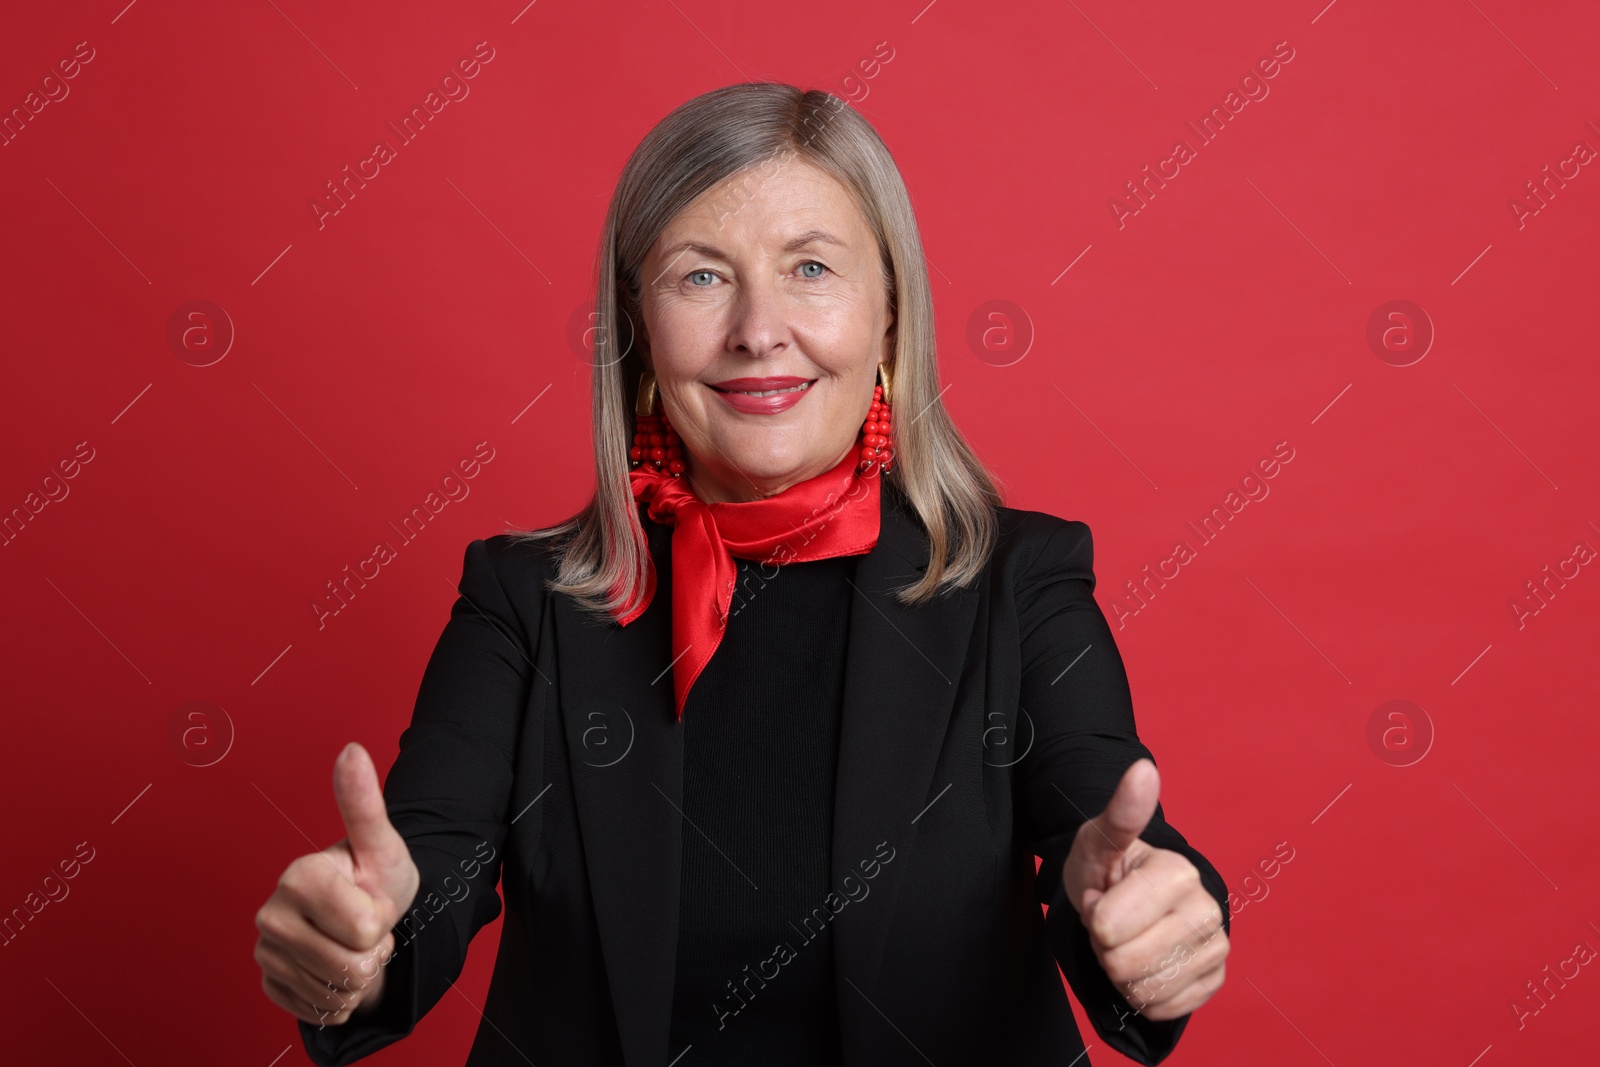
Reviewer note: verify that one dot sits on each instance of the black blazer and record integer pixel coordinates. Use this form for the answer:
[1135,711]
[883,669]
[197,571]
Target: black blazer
[978,732]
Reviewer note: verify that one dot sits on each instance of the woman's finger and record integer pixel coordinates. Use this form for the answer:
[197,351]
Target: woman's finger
[306,984]
[298,1006]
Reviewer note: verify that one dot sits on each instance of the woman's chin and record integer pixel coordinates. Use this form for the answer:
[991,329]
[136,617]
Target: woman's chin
[769,471]
[761,454]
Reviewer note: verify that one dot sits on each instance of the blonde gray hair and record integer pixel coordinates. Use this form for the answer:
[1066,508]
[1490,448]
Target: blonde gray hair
[746,130]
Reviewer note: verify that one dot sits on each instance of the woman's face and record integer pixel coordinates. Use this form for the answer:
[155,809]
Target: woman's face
[767,276]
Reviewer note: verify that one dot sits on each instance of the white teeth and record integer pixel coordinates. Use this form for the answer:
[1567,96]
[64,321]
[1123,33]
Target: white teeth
[773,392]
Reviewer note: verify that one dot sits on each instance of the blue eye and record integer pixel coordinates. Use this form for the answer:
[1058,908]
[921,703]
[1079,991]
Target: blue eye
[692,274]
[813,263]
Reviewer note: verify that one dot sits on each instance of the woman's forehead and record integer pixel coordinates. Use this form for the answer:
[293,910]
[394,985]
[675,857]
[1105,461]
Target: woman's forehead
[777,213]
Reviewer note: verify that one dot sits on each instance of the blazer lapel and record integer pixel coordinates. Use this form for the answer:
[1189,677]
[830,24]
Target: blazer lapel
[902,667]
[625,748]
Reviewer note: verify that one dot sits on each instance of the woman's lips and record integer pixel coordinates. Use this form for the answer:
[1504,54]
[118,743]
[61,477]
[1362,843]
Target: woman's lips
[762,396]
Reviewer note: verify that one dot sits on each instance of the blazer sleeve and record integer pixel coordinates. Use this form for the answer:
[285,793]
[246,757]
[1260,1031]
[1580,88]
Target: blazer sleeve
[1075,694]
[447,795]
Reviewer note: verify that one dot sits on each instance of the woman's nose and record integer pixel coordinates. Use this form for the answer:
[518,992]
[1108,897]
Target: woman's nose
[759,318]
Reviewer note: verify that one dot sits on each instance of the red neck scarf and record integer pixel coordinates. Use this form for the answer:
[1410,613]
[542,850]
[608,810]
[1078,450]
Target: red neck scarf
[832,514]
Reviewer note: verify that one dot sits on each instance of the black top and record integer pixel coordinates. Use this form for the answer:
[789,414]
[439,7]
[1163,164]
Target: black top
[755,978]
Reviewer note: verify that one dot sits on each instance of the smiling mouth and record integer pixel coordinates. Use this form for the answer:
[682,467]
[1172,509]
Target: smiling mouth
[802,387]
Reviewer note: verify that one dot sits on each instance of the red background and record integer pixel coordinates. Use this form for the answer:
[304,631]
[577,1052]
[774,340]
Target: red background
[1131,391]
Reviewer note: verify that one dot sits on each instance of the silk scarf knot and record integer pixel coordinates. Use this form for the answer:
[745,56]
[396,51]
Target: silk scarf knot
[835,513]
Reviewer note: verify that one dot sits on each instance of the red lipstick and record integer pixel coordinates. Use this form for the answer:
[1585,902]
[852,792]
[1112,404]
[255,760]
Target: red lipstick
[744,394]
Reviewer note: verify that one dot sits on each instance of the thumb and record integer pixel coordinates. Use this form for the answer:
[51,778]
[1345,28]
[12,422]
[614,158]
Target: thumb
[1127,813]
[373,839]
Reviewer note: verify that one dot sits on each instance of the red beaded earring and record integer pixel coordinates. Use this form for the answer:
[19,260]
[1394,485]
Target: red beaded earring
[876,448]
[654,441]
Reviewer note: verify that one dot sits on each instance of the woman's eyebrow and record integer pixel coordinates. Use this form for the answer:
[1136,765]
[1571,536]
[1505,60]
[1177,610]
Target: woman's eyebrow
[795,244]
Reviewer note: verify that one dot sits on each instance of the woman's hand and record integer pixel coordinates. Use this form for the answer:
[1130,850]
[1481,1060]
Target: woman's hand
[325,931]
[1155,929]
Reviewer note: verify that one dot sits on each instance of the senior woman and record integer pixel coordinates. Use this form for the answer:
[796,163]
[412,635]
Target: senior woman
[761,745]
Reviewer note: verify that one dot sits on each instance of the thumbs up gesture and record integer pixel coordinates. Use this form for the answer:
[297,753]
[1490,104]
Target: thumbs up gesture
[1154,927]
[325,931]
